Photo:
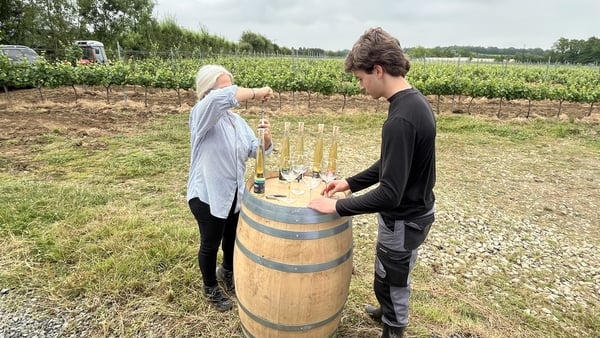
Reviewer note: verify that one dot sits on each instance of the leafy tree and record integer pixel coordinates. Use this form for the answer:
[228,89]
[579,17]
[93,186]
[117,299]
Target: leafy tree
[11,13]
[111,20]
[418,52]
[576,51]
[257,42]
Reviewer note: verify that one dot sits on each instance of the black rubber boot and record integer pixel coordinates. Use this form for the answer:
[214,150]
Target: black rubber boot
[373,312]
[392,331]
[226,278]
[217,298]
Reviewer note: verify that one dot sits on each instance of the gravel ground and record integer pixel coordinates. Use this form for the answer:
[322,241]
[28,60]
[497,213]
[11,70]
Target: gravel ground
[26,319]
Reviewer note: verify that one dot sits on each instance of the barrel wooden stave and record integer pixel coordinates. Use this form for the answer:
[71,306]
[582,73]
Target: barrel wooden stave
[292,269]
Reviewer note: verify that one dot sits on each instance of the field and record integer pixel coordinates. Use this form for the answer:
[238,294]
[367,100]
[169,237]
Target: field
[96,239]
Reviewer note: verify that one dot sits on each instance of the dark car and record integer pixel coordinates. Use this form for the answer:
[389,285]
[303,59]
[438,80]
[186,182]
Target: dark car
[18,53]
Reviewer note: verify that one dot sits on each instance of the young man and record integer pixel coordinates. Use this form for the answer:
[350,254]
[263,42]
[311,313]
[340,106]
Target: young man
[405,172]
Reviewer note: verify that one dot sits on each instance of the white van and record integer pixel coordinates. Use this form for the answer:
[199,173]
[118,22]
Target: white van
[93,51]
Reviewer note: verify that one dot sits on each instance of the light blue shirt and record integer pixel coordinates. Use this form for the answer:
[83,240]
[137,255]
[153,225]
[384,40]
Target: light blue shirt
[221,143]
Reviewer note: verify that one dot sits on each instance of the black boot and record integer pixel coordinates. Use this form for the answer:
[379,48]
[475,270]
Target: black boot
[392,331]
[217,298]
[374,312]
[226,278]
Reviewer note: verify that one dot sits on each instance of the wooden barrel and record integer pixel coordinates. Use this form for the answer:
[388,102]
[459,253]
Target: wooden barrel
[292,266]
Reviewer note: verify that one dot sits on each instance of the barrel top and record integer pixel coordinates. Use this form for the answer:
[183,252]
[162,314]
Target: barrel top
[278,192]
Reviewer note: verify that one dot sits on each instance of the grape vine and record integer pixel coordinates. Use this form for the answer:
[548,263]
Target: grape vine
[317,76]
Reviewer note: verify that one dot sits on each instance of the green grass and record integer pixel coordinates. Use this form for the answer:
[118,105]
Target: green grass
[104,225]
[521,130]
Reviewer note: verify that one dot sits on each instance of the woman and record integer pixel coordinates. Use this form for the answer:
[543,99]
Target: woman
[221,142]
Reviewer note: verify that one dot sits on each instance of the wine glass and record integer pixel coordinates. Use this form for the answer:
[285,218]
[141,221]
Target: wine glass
[327,176]
[299,167]
[288,175]
[311,182]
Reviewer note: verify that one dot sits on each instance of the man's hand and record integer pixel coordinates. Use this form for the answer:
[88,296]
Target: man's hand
[323,204]
[335,186]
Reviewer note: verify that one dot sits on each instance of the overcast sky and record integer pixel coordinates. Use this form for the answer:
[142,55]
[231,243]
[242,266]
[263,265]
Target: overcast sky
[336,24]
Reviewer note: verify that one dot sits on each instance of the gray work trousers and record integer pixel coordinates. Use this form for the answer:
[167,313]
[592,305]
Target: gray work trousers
[397,248]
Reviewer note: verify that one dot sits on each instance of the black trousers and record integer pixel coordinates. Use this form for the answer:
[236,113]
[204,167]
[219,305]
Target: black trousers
[214,231]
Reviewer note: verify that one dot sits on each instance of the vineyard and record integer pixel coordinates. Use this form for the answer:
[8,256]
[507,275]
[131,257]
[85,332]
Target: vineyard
[501,82]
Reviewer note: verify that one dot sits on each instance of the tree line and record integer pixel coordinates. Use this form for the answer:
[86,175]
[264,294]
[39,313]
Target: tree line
[51,26]
[567,51]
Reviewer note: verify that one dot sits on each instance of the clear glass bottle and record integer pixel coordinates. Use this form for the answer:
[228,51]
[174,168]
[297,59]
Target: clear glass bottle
[318,154]
[259,170]
[285,149]
[333,151]
[299,149]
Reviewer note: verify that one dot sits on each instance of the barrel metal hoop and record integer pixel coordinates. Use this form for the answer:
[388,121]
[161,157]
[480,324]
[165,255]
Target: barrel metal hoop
[285,214]
[292,268]
[289,328]
[246,332]
[300,235]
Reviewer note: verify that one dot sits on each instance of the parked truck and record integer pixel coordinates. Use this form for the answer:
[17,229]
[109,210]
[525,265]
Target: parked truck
[93,51]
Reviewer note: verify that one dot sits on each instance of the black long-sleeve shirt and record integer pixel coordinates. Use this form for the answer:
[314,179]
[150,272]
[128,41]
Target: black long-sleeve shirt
[405,170]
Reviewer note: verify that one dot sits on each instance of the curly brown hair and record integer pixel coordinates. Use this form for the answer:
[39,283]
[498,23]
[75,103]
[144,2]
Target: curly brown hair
[377,47]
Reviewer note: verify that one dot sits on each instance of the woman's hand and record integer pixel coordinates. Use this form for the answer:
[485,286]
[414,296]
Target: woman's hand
[264,123]
[264,94]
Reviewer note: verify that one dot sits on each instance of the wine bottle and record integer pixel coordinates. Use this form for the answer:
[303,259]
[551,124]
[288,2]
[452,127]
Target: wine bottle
[259,171]
[285,149]
[300,140]
[332,163]
[318,154]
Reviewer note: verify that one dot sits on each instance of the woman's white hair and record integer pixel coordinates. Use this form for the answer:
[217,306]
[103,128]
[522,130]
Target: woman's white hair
[206,78]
